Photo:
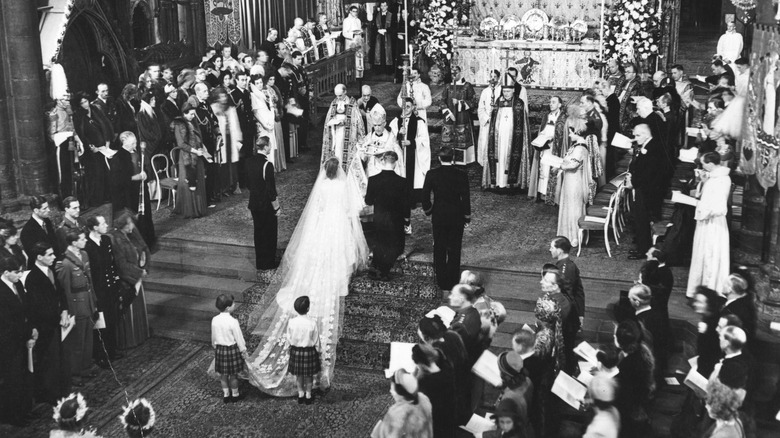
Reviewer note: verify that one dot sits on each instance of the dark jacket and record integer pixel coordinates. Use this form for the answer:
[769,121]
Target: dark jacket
[46,300]
[387,191]
[108,107]
[261,183]
[104,273]
[572,283]
[746,311]
[467,323]
[644,170]
[15,328]
[76,279]
[450,188]
[124,191]
[33,233]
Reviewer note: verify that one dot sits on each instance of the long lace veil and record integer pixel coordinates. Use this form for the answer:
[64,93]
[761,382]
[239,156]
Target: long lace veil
[326,247]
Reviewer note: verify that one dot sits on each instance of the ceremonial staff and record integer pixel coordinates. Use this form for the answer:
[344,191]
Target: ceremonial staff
[141,209]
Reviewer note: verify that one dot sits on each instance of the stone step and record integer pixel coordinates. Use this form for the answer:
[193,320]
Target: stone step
[216,264]
[180,328]
[194,285]
[194,247]
[177,306]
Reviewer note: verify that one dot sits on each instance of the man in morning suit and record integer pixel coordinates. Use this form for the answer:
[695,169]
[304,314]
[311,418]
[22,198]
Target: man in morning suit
[654,323]
[263,204]
[560,247]
[450,212]
[16,336]
[647,182]
[387,192]
[38,229]
[48,311]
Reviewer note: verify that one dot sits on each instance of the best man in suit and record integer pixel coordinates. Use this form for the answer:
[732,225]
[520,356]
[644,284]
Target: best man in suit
[48,312]
[388,193]
[647,182]
[17,335]
[263,205]
[38,229]
[450,212]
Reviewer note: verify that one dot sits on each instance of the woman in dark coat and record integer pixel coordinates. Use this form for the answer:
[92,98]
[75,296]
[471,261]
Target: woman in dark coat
[708,304]
[433,332]
[191,190]
[635,380]
[131,256]
[94,130]
[149,122]
[436,380]
[126,109]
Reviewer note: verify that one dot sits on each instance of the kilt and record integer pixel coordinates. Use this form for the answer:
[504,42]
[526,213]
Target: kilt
[304,361]
[228,360]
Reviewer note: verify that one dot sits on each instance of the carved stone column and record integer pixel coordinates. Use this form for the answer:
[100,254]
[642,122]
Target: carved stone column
[23,168]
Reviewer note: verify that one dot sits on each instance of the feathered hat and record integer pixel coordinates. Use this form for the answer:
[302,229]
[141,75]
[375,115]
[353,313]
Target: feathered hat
[378,115]
[70,409]
[138,416]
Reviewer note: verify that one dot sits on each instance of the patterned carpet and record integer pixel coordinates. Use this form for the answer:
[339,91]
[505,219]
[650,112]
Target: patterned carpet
[189,404]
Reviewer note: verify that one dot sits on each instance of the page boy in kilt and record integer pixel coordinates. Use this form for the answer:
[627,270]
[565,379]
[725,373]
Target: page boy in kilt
[304,337]
[230,354]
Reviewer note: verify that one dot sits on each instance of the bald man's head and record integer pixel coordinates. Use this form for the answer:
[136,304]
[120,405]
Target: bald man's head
[298,22]
[365,90]
[642,133]
[658,77]
[340,90]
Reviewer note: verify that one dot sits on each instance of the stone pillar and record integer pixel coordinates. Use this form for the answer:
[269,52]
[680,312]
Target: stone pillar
[23,169]
[168,22]
[751,235]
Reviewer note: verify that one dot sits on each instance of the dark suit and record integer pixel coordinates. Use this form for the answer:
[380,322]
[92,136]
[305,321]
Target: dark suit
[125,193]
[450,210]
[387,192]
[33,233]
[75,278]
[52,365]
[105,280]
[648,185]
[15,331]
[613,126]
[108,107]
[657,325]
[572,283]
[746,311]
[262,195]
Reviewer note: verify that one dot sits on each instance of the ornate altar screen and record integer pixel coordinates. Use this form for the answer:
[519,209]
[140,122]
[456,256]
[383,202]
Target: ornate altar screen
[550,42]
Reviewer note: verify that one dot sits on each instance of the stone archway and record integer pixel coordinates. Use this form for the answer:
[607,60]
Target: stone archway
[143,25]
[91,53]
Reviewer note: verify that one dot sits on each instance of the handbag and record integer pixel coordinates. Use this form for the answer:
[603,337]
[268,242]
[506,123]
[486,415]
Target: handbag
[126,295]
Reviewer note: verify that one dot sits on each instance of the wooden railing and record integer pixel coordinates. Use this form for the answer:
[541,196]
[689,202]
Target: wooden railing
[325,74]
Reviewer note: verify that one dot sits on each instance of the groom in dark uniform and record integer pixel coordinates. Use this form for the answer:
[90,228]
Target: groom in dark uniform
[387,192]
[263,205]
[451,212]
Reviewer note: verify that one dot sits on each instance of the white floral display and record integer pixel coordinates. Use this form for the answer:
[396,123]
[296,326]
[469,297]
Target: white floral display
[631,31]
[440,19]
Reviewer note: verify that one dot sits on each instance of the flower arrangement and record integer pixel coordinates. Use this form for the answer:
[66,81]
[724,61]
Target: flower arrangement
[67,9]
[631,31]
[437,30]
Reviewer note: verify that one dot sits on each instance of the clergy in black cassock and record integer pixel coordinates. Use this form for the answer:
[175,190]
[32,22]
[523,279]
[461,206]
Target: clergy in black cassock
[388,194]
[127,179]
[48,309]
[16,335]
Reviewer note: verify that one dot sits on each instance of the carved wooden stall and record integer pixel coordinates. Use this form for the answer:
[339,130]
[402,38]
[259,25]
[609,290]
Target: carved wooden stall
[326,73]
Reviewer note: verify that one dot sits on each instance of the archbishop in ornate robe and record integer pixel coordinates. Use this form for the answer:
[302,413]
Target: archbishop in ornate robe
[545,180]
[343,129]
[508,163]
[458,99]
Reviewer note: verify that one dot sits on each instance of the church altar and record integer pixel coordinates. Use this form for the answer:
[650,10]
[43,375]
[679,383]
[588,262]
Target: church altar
[541,64]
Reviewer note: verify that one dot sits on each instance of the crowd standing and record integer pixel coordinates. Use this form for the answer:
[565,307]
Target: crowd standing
[231,122]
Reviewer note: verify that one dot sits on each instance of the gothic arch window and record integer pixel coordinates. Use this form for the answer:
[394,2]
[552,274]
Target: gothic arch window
[143,25]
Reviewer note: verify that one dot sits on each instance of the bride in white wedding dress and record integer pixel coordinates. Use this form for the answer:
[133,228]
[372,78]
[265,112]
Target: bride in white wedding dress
[325,249]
